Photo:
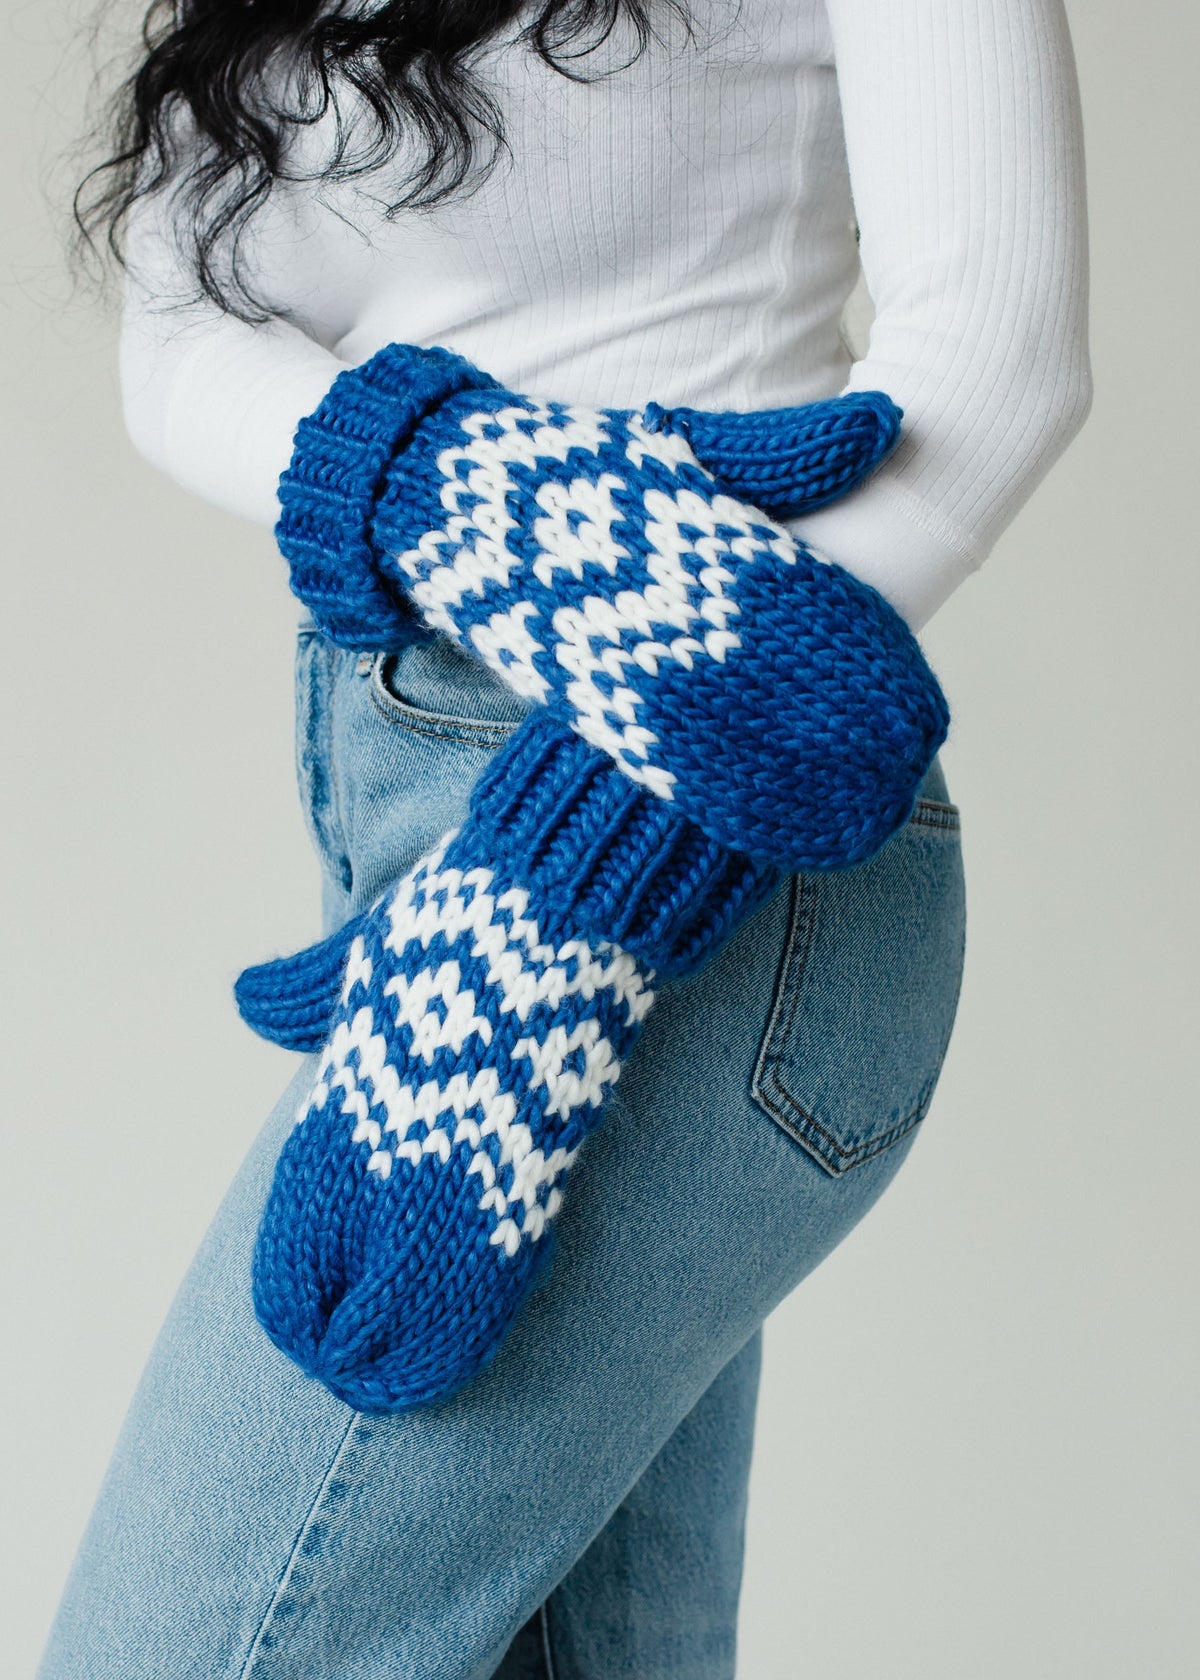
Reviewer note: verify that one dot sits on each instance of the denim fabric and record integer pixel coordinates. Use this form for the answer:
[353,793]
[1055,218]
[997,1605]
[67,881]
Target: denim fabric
[576,1513]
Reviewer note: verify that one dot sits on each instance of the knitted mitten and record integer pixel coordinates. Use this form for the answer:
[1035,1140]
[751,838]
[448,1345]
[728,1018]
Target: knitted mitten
[625,569]
[472,1023]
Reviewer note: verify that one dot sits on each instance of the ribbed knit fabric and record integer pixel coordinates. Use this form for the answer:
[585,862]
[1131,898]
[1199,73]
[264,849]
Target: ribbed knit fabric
[784,461]
[482,1013]
[605,570]
[292,1000]
[615,862]
[342,453]
[603,856]
[473,1021]
[684,230]
[787,461]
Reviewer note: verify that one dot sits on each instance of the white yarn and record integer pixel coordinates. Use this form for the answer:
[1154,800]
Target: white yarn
[684,231]
[569,1067]
[695,545]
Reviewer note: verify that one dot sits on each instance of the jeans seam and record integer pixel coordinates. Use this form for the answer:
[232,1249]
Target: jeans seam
[788,992]
[547,1644]
[471,736]
[767,1087]
[934,813]
[850,1157]
[256,1643]
[335,791]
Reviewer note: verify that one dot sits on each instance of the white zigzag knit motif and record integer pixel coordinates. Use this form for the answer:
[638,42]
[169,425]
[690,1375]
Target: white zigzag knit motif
[514,971]
[684,587]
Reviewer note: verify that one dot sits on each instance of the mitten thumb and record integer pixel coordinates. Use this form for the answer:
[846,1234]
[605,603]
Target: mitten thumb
[292,1000]
[788,461]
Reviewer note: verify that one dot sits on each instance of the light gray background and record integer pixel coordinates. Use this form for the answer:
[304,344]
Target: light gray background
[976,1457]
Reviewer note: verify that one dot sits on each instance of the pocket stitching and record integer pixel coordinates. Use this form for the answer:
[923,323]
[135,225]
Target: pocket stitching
[318,783]
[935,813]
[485,732]
[786,997]
[850,1158]
[767,1088]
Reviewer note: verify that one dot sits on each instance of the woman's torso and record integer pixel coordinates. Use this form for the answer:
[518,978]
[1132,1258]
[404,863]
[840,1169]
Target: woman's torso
[681,228]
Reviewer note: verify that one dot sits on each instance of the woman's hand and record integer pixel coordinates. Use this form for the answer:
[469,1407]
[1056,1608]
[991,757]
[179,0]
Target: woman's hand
[471,1026]
[605,564]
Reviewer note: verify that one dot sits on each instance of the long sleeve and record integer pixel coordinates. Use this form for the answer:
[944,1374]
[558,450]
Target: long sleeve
[963,155]
[208,399]
[965,149]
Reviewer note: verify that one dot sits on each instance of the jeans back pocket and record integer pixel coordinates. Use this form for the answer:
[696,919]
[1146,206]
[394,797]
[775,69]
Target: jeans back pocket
[867,992]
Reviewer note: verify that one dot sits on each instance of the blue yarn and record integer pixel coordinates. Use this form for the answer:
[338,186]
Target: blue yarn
[788,461]
[719,706]
[341,453]
[602,563]
[291,1001]
[473,1023]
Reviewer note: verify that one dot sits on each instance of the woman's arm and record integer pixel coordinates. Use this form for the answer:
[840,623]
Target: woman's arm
[211,401]
[966,158]
[965,149]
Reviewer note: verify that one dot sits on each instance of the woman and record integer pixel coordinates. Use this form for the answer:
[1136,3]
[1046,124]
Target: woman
[678,226]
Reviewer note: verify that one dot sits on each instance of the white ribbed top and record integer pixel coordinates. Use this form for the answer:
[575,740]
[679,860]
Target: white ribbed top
[683,231]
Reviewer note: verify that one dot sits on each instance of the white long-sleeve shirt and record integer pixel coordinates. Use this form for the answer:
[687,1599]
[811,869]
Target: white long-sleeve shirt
[684,231]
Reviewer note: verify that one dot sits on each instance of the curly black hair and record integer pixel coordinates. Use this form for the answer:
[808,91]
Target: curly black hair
[224,85]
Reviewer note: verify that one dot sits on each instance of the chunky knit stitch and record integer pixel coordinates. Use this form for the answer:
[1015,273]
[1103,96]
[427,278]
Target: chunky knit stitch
[347,447]
[718,705]
[471,1024]
[603,563]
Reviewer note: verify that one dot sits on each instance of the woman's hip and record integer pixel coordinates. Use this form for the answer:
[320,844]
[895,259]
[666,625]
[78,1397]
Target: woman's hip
[254,1526]
[832,1008]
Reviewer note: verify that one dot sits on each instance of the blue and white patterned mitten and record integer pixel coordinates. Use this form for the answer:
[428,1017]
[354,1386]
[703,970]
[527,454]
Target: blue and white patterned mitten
[472,1024]
[626,569]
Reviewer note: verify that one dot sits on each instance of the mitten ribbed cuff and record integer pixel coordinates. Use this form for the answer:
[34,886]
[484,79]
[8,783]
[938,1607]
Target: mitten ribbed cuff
[606,858]
[328,493]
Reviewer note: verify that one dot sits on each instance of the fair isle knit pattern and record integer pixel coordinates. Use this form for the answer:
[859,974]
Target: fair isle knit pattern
[480,1014]
[611,565]
[716,705]
[472,1054]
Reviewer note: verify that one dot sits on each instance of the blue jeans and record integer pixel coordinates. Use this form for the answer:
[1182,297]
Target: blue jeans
[577,1512]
